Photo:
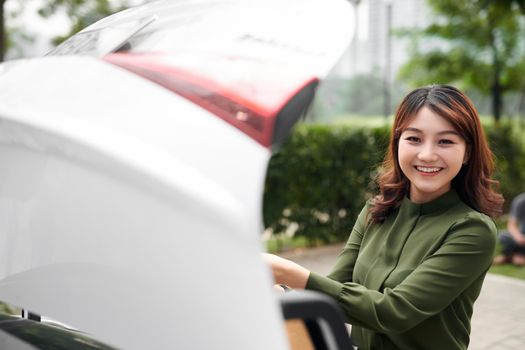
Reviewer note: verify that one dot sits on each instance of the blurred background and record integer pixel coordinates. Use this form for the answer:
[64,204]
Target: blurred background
[477,45]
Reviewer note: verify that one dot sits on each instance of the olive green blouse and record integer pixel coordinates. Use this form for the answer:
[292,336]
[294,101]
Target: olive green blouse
[411,281]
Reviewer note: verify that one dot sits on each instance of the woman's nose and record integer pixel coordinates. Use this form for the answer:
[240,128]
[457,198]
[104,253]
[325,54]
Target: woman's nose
[427,153]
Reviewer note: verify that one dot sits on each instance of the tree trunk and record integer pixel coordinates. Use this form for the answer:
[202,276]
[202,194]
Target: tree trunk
[2,31]
[497,99]
[521,106]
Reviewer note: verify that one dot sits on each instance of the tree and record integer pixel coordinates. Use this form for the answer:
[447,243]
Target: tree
[81,12]
[480,45]
[507,4]
[12,35]
[2,31]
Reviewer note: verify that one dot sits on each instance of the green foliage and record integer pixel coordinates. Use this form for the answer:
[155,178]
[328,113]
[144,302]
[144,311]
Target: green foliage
[281,242]
[2,31]
[479,46]
[508,4]
[323,175]
[509,151]
[319,179]
[81,12]
[12,34]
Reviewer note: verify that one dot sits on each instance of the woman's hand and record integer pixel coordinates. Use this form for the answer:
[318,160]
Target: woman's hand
[278,289]
[287,272]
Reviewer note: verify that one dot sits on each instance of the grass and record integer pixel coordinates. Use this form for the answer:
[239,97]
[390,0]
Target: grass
[509,270]
[280,242]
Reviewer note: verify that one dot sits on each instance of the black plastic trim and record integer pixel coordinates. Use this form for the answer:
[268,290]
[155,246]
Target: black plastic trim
[315,309]
[292,112]
[45,337]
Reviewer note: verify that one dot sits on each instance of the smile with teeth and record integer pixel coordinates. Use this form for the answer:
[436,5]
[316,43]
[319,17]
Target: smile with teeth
[428,169]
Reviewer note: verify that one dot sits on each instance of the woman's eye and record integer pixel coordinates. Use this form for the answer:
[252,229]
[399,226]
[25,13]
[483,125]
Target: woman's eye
[446,142]
[412,138]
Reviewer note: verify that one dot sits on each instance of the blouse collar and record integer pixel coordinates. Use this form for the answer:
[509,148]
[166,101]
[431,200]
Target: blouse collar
[445,201]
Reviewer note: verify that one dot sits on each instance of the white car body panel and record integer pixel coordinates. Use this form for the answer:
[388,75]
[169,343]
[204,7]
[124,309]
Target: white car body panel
[132,214]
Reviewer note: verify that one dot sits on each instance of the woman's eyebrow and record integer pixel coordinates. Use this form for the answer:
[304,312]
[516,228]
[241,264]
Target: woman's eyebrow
[454,132]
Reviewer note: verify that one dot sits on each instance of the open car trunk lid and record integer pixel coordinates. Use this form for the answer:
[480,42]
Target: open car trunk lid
[132,172]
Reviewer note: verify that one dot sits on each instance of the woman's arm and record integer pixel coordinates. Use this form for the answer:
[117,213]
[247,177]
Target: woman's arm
[464,256]
[287,272]
[295,276]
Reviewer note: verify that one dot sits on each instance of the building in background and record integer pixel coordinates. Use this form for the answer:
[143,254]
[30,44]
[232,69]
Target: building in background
[375,48]
[364,82]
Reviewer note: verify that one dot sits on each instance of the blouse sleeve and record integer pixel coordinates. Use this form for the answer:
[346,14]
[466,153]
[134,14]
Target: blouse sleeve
[344,266]
[463,257]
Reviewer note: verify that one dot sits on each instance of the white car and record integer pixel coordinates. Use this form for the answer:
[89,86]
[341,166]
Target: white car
[132,165]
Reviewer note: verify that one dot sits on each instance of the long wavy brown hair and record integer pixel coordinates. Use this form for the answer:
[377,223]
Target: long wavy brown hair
[473,183]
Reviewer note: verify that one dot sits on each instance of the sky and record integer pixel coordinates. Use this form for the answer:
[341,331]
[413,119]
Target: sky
[41,29]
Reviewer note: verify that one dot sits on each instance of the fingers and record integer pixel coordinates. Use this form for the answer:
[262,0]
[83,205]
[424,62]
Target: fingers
[277,288]
[286,271]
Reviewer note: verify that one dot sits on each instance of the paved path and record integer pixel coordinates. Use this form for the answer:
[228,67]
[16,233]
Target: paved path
[499,313]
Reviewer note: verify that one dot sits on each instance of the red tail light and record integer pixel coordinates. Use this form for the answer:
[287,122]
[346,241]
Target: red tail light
[248,94]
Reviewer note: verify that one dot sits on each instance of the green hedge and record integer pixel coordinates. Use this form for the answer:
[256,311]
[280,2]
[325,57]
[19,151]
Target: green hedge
[507,144]
[321,177]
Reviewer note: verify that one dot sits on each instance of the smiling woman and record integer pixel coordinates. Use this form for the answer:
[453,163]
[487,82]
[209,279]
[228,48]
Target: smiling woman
[438,109]
[417,256]
[431,153]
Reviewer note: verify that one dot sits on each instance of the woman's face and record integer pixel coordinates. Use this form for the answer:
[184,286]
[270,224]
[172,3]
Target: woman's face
[430,154]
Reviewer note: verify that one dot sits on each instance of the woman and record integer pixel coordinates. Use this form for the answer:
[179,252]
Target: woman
[416,258]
